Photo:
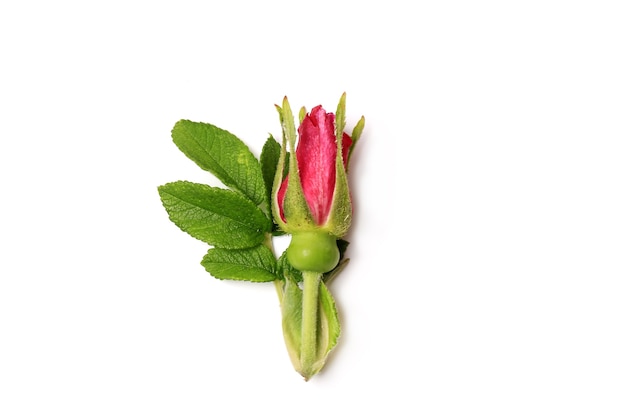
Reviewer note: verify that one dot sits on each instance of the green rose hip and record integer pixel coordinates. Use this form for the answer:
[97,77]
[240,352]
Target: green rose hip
[313,251]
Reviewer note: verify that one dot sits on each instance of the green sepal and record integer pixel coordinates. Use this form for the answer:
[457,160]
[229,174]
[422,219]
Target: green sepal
[340,120]
[295,206]
[279,174]
[256,264]
[224,155]
[302,114]
[356,134]
[340,215]
[219,217]
[270,155]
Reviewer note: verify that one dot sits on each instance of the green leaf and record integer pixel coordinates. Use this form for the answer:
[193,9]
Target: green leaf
[256,264]
[222,154]
[270,154]
[219,217]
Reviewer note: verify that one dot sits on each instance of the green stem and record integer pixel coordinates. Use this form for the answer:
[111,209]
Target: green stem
[308,349]
[278,283]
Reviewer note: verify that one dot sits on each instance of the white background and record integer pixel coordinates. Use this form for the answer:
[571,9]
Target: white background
[487,272]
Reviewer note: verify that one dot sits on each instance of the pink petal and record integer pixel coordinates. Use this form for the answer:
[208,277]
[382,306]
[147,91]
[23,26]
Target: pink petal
[316,152]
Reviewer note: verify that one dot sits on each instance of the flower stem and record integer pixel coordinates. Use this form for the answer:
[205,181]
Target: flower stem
[308,349]
[278,284]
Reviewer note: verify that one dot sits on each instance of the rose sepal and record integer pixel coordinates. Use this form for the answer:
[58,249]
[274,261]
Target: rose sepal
[295,207]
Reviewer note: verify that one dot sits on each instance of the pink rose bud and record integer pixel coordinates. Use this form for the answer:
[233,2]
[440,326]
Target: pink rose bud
[312,202]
